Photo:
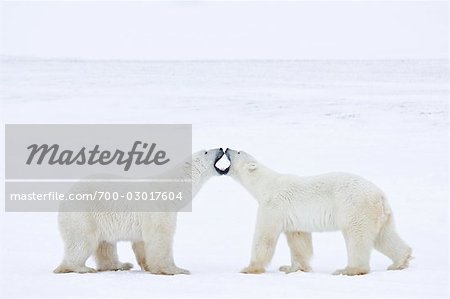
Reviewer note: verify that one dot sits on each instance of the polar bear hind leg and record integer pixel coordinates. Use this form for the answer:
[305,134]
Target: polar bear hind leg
[389,243]
[158,244]
[107,259]
[159,258]
[359,242]
[300,245]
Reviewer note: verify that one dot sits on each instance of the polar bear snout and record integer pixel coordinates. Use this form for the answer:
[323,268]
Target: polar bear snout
[240,161]
[227,153]
[231,154]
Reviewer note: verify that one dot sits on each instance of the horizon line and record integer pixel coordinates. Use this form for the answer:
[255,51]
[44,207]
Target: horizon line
[79,59]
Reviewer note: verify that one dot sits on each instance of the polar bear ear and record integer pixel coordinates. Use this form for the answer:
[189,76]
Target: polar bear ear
[251,166]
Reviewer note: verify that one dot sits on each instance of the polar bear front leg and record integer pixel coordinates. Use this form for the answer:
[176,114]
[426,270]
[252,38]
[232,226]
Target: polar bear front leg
[107,259]
[300,245]
[267,231]
[139,253]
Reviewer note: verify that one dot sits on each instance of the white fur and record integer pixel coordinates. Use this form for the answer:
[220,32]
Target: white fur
[87,233]
[298,206]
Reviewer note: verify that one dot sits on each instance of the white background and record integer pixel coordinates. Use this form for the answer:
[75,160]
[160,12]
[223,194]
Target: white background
[386,120]
[226,30]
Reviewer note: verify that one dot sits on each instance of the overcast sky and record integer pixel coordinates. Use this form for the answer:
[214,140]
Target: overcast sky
[232,30]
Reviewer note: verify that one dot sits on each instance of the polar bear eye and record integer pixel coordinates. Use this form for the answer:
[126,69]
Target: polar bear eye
[239,153]
[206,153]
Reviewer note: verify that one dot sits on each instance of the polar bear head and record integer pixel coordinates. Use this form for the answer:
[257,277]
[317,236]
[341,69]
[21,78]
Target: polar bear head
[204,162]
[242,164]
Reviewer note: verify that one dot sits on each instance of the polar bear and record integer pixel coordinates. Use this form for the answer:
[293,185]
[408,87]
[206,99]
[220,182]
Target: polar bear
[87,233]
[298,206]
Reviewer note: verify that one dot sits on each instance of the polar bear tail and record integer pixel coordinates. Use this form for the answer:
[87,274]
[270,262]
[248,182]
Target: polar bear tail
[386,212]
[389,243]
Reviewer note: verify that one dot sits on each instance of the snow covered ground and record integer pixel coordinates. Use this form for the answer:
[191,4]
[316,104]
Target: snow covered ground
[384,120]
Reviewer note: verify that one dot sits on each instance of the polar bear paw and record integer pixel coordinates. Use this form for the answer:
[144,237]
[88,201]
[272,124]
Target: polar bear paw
[174,270]
[402,263]
[76,269]
[351,271]
[294,268]
[253,270]
[117,267]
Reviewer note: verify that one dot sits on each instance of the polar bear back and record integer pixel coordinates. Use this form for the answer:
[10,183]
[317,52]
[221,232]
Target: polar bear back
[327,202]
